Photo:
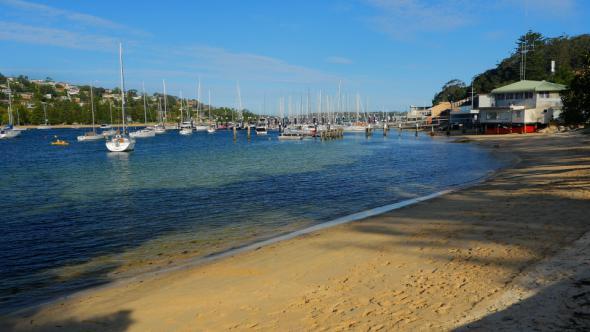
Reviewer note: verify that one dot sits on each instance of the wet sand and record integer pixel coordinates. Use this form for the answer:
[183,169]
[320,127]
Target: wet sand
[509,253]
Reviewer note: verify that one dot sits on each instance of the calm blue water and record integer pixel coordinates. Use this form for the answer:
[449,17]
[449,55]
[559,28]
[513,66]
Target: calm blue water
[78,216]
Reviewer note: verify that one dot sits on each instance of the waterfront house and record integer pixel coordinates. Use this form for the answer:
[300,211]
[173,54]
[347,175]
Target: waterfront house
[520,107]
[419,112]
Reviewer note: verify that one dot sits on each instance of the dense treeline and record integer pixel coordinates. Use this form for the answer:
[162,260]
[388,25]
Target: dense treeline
[576,99]
[64,109]
[568,53]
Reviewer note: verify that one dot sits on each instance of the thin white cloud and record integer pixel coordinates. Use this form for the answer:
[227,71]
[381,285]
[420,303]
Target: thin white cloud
[219,62]
[338,60]
[403,19]
[555,8]
[86,20]
[54,37]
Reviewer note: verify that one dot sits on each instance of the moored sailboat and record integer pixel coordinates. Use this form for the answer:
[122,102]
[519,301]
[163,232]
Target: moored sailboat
[211,128]
[9,131]
[91,135]
[121,142]
[46,124]
[147,131]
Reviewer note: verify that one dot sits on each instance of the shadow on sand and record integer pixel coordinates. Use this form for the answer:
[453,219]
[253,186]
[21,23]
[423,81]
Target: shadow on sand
[116,322]
[535,209]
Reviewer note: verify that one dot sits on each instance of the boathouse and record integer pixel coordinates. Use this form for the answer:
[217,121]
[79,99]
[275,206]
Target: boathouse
[521,107]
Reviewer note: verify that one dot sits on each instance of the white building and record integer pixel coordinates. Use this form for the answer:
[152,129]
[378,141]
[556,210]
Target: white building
[521,106]
[418,112]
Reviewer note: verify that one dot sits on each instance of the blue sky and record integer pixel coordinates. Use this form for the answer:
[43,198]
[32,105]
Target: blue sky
[392,52]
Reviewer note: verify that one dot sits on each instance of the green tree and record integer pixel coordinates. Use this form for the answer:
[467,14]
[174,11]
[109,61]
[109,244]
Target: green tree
[453,90]
[576,99]
[567,52]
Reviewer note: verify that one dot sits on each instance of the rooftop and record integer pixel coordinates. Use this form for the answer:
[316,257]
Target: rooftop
[526,85]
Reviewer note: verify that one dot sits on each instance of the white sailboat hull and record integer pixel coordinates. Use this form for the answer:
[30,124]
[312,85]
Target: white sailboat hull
[201,128]
[9,133]
[143,133]
[120,144]
[186,131]
[290,137]
[94,137]
[355,129]
[108,133]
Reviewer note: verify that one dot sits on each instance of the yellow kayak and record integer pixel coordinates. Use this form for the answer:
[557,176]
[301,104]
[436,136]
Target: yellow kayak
[60,142]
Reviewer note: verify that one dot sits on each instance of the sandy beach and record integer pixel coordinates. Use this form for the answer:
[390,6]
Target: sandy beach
[511,253]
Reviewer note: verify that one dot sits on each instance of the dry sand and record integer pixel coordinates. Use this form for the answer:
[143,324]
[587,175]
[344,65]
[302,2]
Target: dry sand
[510,253]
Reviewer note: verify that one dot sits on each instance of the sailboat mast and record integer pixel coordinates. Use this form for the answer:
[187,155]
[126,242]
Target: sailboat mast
[122,86]
[160,109]
[357,106]
[144,103]
[320,108]
[45,112]
[181,118]
[92,109]
[199,100]
[10,119]
[240,115]
[165,102]
[111,111]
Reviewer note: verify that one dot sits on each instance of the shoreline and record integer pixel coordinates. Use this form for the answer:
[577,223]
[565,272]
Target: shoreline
[273,259]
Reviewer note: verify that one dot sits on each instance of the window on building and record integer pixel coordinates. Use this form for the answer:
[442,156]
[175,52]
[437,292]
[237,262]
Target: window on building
[543,94]
[491,115]
[500,96]
[509,96]
[518,114]
[528,95]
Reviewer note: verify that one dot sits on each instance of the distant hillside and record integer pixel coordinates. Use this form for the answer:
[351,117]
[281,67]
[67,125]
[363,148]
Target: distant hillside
[567,52]
[68,103]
